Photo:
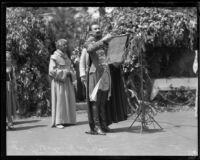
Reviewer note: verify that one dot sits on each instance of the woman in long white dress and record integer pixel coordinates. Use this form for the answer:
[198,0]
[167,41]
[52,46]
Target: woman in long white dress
[11,87]
[62,90]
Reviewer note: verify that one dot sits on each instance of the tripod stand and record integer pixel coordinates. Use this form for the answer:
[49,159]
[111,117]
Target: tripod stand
[144,110]
[144,115]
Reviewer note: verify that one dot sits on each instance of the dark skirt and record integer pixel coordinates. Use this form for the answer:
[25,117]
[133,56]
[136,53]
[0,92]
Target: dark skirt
[117,106]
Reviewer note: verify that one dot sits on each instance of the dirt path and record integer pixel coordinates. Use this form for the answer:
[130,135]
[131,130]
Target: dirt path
[33,136]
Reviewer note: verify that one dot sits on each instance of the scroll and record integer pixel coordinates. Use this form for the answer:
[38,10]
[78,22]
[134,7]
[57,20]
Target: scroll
[116,49]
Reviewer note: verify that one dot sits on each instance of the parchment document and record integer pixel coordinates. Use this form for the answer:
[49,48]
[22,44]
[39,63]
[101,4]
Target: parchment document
[116,49]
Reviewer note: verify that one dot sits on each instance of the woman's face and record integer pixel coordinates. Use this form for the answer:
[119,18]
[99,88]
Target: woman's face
[64,47]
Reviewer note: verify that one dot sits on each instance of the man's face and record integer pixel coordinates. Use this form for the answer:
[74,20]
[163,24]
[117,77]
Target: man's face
[96,30]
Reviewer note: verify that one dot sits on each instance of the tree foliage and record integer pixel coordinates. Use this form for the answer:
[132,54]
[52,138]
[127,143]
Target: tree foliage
[167,29]
[153,28]
[30,43]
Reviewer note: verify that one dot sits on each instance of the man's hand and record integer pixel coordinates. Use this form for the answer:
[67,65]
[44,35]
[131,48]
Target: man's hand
[107,38]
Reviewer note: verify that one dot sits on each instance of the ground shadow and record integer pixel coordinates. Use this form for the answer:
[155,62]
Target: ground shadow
[77,124]
[26,127]
[82,123]
[136,129]
[178,125]
[22,122]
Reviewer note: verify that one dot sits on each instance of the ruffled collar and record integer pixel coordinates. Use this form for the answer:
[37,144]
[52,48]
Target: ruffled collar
[61,54]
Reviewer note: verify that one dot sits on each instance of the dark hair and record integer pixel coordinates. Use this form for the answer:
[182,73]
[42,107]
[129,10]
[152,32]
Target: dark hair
[93,23]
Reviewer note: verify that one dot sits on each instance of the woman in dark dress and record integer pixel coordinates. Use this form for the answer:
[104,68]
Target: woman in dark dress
[117,106]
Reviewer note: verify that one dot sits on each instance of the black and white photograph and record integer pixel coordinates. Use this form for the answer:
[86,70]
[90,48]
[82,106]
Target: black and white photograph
[100,80]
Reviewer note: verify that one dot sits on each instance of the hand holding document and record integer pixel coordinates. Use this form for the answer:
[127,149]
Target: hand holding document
[107,38]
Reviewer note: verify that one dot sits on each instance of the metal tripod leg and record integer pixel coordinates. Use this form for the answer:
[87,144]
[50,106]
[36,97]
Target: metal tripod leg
[135,119]
[142,123]
[154,120]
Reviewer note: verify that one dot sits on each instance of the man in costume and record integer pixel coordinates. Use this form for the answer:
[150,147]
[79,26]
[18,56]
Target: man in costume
[116,109]
[99,80]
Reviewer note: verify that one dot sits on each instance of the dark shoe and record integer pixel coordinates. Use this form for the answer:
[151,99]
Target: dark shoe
[92,132]
[99,131]
[106,129]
